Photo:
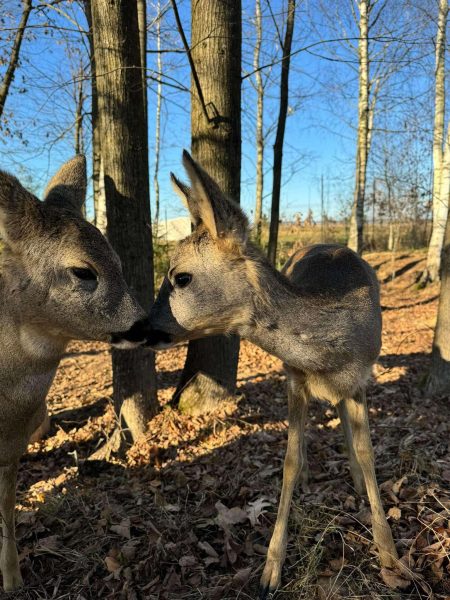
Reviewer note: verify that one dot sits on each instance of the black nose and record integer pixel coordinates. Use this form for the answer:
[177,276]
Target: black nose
[141,333]
[137,333]
[156,337]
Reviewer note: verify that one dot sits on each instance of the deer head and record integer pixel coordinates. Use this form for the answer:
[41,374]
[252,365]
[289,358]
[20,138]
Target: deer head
[207,290]
[60,274]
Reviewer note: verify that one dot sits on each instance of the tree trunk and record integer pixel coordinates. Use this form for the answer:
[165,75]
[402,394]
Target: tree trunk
[210,370]
[259,125]
[142,24]
[440,203]
[356,236]
[97,170]
[279,139]
[439,378]
[158,116]
[14,58]
[123,133]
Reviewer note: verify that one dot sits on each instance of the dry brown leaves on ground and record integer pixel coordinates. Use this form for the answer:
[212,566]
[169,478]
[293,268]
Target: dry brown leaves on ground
[189,512]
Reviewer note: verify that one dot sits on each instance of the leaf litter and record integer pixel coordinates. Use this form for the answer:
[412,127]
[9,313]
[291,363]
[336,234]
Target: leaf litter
[188,512]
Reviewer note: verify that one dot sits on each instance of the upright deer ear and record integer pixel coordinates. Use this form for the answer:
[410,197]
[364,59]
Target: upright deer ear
[199,212]
[208,204]
[20,213]
[67,189]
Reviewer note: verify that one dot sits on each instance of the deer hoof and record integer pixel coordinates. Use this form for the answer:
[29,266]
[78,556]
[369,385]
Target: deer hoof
[270,580]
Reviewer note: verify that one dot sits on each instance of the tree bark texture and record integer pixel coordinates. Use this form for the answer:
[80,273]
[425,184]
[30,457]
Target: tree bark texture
[356,235]
[279,138]
[210,370]
[259,124]
[440,202]
[125,161]
[15,52]
[439,378]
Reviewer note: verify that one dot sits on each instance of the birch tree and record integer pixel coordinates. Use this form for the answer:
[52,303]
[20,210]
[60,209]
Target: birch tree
[259,123]
[440,193]
[355,241]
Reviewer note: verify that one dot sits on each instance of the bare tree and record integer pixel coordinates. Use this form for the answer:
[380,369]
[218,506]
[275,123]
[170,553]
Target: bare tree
[259,123]
[355,241]
[158,115]
[439,191]
[15,52]
[439,377]
[279,139]
[210,370]
[97,167]
[124,134]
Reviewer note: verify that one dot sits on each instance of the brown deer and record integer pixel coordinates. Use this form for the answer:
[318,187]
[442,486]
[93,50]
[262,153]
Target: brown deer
[321,316]
[59,280]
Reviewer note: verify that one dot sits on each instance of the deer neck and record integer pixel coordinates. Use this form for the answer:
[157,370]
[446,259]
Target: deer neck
[284,322]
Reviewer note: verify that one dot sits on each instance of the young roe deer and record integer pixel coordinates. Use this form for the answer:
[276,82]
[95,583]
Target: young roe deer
[321,316]
[59,280]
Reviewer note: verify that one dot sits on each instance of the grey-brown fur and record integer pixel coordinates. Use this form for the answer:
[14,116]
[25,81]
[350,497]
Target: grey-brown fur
[43,305]
[321,316]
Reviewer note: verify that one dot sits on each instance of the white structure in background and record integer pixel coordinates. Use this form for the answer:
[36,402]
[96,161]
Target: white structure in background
[174,230]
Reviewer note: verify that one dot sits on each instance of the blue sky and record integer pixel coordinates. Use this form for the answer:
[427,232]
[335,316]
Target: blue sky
[320,134]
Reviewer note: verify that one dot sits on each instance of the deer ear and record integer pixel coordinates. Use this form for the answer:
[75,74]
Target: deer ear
[20,212]
[220,215]
[67,188]
[185,194]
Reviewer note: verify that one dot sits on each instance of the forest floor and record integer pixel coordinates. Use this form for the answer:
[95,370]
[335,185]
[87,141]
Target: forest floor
[188,513]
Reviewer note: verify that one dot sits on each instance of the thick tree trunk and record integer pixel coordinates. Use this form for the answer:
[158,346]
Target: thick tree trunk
[259,125]
[356,236]
[279,138]
[210,370]
[15,52]
[125,160]
[440,203]
[439,378]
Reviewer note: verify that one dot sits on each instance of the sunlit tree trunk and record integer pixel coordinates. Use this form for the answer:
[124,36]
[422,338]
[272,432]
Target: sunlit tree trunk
[279,138]
[355,241]
[439,378]
[158,116]
[210,370]
[440,202]
[259,124]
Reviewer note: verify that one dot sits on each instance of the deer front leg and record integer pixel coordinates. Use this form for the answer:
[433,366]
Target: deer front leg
[294,463]
[362,447]
[9,560]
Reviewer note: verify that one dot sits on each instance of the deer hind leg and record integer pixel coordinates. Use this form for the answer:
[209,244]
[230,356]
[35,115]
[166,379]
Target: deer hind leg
[362,448]
[355,468]
[294,467]
[9,560]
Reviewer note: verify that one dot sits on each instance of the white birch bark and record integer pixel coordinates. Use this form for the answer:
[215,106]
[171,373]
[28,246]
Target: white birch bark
[440,202]
[355,241]
[259,124]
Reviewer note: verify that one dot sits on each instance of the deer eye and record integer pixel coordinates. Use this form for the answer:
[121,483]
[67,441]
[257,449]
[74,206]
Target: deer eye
[183,279]
[84,273]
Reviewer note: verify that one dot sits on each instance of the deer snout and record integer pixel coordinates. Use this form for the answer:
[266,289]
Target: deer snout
[137,335]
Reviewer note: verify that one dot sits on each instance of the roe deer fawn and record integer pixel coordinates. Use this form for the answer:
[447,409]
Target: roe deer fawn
[321,316]
[59,280]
